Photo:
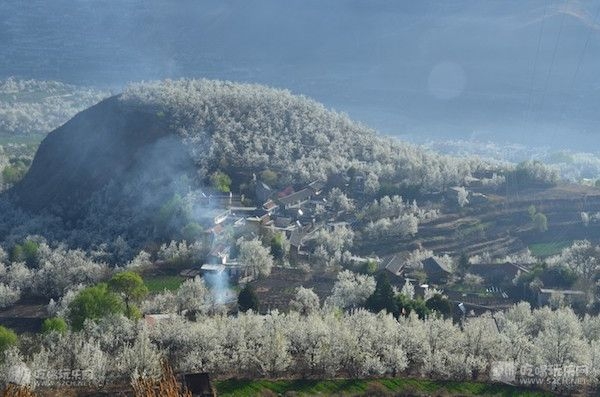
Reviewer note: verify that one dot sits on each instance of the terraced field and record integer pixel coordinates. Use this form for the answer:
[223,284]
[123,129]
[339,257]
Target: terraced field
[503,226]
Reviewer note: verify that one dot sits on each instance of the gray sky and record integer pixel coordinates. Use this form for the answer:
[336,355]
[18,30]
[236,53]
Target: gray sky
[507,70]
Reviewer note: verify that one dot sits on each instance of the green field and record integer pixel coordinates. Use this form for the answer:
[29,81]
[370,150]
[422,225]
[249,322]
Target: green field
[160,283]
[367,387]
[544,250]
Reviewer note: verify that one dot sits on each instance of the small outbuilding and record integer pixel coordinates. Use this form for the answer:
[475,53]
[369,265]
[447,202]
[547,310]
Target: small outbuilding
[199,384]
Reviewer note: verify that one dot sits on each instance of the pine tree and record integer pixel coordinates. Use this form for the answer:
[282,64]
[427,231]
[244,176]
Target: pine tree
[247,299]
[383,297]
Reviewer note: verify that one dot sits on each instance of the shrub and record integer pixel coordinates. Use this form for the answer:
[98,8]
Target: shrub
[94,303]
[54,324]
[221,181]
[7,338]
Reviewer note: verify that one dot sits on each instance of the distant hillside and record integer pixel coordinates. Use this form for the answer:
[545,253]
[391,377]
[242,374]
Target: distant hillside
[443,70]
[36,106]
[118,162]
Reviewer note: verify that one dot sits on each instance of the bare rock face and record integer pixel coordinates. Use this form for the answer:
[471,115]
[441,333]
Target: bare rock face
[99,145]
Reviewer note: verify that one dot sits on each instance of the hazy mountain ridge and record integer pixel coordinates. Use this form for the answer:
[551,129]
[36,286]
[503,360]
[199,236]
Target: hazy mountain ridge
[373,60]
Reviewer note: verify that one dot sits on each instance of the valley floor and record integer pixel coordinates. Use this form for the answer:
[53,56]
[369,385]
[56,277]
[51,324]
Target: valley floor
[368,387]
[330,387]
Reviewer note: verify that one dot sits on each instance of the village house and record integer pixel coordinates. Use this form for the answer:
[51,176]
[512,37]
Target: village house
[295,244]
[238,272]
[256,220]
[296,199]
[484,173]
[394,266]
[234,271]
[219,254]
[287,198]
[282,223]
[437,272]
[472,181]
[212,269]
[481,303]
[316,187]
[217,200]
[263,192]
[498,273]
[545,295]
[270,206]
[452,193]
[214,216]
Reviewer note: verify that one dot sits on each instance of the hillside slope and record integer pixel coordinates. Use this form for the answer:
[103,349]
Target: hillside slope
[221,126]
[83,155]
[112,167]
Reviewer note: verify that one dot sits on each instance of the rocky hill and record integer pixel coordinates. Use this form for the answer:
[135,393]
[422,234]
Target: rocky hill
[81,157]
[218,125]
[114,166]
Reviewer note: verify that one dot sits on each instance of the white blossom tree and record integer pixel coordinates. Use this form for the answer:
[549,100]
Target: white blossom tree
[193,295]
[305,301]
[8,295]
[350,290]
[256,256]
[462,195]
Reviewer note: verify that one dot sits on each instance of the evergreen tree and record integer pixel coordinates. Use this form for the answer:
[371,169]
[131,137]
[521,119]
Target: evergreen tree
[407,306]
[463,264]
[247,299]
[278,247]
[26,252]
[54,324]
[221,181]
[440,304]
[541,222]
[383,297]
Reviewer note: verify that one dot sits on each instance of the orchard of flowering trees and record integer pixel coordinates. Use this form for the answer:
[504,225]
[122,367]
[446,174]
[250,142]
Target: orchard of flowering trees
[53,272]
[227,127]
[335,338]
[319,343]
[391,217]
[255,127]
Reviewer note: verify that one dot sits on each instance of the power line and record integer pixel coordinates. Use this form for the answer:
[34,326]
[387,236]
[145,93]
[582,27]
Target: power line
[560,29]
[571,89]
[585,46]
[535,61]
